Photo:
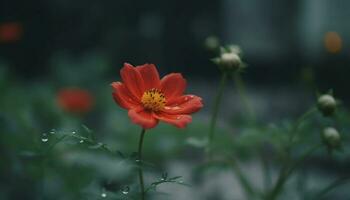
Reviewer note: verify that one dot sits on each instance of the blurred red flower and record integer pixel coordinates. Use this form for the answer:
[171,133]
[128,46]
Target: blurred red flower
[75,100]
[149,99]
[10,32]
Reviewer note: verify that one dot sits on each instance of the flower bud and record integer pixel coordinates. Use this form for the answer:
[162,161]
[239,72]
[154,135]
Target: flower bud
[234,49]
[230,61]
[331,137]
[326,104]
[211,43]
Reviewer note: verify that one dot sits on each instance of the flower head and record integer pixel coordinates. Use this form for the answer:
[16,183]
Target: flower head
[229,59]
[150,99]
[327,104]
[331,137]
[212,43]
[75,100]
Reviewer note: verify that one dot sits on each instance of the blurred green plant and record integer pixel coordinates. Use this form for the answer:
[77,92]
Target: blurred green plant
[73,161]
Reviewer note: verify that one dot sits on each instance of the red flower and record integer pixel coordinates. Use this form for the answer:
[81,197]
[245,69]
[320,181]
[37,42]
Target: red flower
[75,100]
[149,99]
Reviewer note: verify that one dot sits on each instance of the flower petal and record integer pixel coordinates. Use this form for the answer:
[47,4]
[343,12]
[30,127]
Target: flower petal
[179,121]
[143,118]
[185,104]
[122,96]
[132,80]
[173,85]
[150,76]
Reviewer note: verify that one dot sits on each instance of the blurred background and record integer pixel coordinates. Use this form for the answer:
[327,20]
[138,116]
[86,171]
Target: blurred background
[51,50]
[278,38]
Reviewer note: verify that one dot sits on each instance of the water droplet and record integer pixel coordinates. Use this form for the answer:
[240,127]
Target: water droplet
[191,96]
[81,141]
[103,195]
[176,108]
[53,131]
[44,137]
[73,132]
[178,117]
[125,190]
[186,98]
[180,182]
[137,160]
[164,176]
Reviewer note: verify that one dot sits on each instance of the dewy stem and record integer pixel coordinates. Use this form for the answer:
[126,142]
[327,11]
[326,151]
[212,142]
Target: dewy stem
[215,112]
[142,187]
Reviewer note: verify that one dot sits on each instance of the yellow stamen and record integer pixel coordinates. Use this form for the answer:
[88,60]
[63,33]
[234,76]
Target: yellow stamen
[153,100]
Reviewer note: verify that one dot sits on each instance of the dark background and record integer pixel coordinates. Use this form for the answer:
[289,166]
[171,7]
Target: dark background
[278,38]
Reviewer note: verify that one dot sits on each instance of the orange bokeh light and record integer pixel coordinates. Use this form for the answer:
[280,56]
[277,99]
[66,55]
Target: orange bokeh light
[333,42]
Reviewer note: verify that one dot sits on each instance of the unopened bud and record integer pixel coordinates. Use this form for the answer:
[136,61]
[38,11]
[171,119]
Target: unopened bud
[331,137]
[230,61]
[211,43]
[326,104]
[234,49]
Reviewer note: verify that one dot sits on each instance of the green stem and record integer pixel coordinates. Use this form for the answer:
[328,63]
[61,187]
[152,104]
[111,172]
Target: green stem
[42,182]
[286,171]
[297,124]
[247,186]
[242,94]
[331,186]
[140,164]
[240,86]
[215,112]
[301,184]
[265,169]
[303,157]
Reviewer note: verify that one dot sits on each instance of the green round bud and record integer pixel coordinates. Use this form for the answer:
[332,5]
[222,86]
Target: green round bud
[230,61]
[326,104]
[331,137]
[212,43]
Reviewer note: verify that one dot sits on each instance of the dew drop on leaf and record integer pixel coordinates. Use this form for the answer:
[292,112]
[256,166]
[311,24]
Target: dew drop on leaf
[44,137]
[164,176]
[125,190]
[103,194]
[53,131]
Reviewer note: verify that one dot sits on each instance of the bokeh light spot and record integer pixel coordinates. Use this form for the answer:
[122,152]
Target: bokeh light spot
[10,32]
[333,42]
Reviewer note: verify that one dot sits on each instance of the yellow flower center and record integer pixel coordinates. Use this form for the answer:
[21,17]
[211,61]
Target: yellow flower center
[153,99]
